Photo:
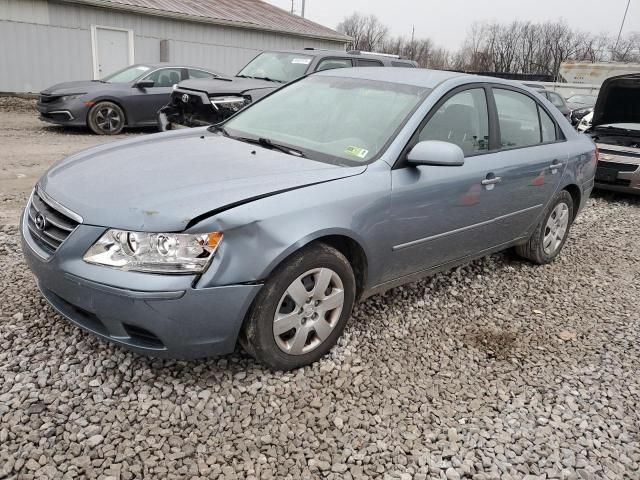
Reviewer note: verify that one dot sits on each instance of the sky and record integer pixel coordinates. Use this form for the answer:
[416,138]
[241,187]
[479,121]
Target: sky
[446,21]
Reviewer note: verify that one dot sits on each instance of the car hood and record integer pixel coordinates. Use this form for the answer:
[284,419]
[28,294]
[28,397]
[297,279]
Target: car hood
[233,86]
[161,182]
[618,101]
[83,86]
[577,106]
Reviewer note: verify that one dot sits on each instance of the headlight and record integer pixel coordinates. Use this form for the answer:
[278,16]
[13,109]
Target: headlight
[581,112]
[71,97]
[232,104]
[154,252]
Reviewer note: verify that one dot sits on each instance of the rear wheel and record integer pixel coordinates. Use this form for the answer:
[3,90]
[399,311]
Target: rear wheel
[302,309]
[106,118]
[551,233]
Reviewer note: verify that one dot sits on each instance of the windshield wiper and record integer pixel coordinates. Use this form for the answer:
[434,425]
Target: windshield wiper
[263,142]
[219,128]
[260,78]
[267,143]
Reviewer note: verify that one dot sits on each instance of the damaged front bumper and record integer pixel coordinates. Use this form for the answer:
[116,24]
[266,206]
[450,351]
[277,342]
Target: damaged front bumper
[166,316]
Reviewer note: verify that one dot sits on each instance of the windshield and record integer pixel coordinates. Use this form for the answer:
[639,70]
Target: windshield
[277,66]
[582,99]
[337,120]
[127,75]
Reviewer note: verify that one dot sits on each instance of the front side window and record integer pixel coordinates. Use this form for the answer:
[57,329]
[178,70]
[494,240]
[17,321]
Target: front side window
[277,66]
[193,73]
[127,75]
[331,63]
[518,119]
[165,77]
[463,120]
[344,121]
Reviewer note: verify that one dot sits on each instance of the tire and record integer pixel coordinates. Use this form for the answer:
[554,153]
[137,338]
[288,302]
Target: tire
[537,249]
[106,118]
[316,326]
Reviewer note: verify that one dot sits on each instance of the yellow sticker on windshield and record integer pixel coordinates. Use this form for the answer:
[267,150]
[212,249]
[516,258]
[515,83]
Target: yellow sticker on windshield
[356,151]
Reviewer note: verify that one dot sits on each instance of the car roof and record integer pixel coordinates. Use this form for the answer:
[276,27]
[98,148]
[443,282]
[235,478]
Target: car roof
[317,52]
[419,77]
[172,64]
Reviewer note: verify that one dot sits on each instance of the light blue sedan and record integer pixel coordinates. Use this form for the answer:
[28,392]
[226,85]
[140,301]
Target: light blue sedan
[266,229]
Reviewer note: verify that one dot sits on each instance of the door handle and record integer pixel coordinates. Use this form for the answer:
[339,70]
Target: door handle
[491,181]
[555,166]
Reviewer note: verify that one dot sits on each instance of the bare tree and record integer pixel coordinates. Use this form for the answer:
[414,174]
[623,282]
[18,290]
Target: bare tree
[368,32]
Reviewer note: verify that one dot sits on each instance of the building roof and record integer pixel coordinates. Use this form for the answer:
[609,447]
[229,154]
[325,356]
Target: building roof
[253,14]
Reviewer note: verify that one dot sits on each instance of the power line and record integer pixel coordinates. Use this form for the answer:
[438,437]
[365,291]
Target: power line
[622,25]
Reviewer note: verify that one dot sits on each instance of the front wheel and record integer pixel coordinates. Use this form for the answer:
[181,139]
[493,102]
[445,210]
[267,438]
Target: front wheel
[106,118]
[551,233]
[302,309]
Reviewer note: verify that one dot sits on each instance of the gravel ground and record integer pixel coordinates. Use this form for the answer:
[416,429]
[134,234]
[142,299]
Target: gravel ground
[495,370]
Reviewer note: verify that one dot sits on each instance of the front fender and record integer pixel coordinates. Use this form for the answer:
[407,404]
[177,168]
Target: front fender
[259,235]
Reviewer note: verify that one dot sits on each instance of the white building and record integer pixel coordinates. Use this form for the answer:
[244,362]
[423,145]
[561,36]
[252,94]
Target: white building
[43,42]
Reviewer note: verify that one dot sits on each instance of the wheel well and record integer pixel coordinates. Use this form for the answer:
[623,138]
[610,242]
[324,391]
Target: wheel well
[126,120]
[574,191]
[355,255]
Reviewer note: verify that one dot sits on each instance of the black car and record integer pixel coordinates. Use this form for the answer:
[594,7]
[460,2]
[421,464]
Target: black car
[204,102]
[616,131]
[130,97]
[580,106]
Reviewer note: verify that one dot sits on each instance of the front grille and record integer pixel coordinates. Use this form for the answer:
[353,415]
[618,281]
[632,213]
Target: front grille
[620,167]
[49,227]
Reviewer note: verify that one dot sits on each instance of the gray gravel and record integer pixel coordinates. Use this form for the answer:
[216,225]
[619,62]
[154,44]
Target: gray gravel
[495,370]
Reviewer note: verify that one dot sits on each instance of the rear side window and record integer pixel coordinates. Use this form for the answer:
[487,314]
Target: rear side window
[369,63]
[556,99]
[403,64]
[518,119]
[463,120]
[331,63]
[549,133]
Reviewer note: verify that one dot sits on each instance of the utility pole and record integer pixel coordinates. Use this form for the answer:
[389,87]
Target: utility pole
[303,5]
[413,37]
[615,49]
[292,5]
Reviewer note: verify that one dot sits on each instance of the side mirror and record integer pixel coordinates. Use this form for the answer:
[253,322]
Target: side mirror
[145,84]
[435,152]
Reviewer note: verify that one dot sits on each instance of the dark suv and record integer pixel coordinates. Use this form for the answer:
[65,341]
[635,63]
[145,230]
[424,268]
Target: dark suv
[197,103]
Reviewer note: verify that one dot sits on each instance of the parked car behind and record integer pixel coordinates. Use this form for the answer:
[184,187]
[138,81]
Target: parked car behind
[206,102]
[557,101]
[130,97]
[616,130]
[267,228]
[580,105]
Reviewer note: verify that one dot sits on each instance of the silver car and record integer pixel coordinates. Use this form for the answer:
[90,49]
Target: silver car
[266,229]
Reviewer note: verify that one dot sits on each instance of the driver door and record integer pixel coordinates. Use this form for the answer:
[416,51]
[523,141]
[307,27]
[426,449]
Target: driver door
[444,213]
[145,102]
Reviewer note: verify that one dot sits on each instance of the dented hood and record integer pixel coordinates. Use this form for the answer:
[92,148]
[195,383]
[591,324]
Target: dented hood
[161,182]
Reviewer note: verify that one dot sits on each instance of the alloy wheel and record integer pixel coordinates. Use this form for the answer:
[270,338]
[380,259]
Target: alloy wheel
[308,311]
[108,119]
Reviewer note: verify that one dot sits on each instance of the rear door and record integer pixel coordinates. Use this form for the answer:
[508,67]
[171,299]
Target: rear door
[534,154]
